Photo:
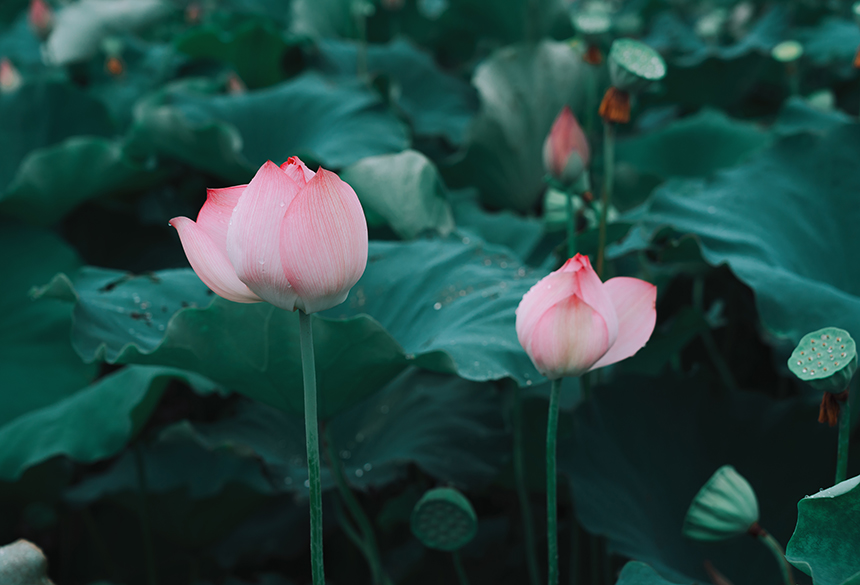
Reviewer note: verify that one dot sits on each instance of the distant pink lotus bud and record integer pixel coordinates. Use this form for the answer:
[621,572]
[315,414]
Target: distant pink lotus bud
[570,323]
[565,150]
[10,79]
[291,237]
[41,18]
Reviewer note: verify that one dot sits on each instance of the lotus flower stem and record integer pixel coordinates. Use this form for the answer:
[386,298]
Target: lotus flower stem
[551,500]
[522,491]
[367,540]
[143,510]
[771,543]
[313,447]
[608,184]
[462,578]
[571,226]
[844,438]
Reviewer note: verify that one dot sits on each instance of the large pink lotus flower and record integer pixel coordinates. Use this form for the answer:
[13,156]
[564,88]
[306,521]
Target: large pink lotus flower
[291,237]
[565,150]
[570,323]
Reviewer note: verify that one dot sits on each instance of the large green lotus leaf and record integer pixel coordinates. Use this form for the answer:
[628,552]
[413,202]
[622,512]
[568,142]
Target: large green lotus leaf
[449,303]
[255,49]
[52,181]
[825,543]
[80,27]
[797,115]
[642,448]
[434,102]
[92,424]
[778,222]
[522,89]
[43,114]
[522,235]
[693,147]
[249,348]
[38,366]
[636,573]
[449,427]
[230,136]
[405,190]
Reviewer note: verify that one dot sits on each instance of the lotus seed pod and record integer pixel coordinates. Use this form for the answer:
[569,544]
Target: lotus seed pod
[633,66]
[23,563]
[825,359]
[787,51]
[726,506]
[444,519]
[592,24]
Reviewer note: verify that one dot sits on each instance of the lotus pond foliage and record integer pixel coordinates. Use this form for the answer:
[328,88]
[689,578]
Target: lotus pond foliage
[544,292]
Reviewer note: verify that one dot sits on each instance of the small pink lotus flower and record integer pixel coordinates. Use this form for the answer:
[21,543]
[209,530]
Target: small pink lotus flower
[10,79]
[570,323]
[565,150]
[41,18]
[291,237]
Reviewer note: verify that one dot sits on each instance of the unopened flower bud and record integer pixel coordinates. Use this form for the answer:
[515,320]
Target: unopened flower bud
[10,79]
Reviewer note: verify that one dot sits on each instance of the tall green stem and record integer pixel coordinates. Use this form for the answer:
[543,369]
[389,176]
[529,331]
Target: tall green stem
[143,511]
[844,437]
[369,547]
[771,543]
[551,500]
[571,226]
[522,490]
[608,184]
[313,447]
[458,566]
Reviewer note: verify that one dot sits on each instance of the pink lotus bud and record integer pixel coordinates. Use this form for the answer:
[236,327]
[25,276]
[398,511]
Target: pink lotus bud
[570,323]
[10,79]
[41,18]
[291,237]
[565,150]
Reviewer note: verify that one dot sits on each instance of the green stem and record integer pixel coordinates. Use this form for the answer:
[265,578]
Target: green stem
[143,511]
[844,437]
[100,544]
[551,500]
[771,543]
[313,447]
[571,226]
[522,490]
[458,566]
[370,549]
[793,73]
[346,526]
[575,540]
[585,386]
[608,184]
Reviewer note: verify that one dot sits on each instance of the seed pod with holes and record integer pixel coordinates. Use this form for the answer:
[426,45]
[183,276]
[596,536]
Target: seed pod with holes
[787,52]
[825,359]
[633,67]
[444,519]
[23,563]
[726,506]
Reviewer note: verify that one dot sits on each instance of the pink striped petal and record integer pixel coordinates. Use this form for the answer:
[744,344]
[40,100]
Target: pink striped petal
[297,170]
[253,235]
[324,242]
[569,338]
[214,216]
[548,291]
[592,291]
[635,302]
[210,262]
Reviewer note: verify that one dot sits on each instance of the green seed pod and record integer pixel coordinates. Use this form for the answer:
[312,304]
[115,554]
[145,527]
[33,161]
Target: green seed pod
[826,359]
[591,24]
[633,66]
[726,506]
[787,51]
[444,519]
[23,563]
